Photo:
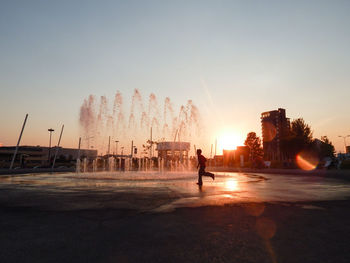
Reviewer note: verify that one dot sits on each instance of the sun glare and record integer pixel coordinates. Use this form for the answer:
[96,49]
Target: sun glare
[228,141]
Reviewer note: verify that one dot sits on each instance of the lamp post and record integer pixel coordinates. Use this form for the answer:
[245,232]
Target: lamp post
[116,147]
[50,131]
[344,138]
[122,150]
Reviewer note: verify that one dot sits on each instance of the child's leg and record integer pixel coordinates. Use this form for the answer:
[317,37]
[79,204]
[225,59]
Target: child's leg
[201,172]
[210,175]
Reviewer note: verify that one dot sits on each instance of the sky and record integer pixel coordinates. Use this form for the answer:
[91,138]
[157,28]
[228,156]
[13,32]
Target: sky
[233,59]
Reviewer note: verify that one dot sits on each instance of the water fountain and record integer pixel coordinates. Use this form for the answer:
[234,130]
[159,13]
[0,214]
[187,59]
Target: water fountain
[78,164]
[85,165]
[94,166]
[145,124]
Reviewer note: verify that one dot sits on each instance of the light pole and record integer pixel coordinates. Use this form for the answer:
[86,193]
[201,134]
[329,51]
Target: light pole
[122,150]
[344,138]
[50,131]
[116,147]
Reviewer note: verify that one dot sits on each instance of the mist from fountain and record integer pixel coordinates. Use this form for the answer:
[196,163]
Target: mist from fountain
[99,120]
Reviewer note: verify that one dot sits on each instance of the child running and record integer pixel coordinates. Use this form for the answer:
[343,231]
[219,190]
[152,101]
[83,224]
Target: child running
[201,164]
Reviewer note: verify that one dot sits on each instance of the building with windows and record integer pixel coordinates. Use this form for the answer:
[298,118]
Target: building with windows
[275,126]
[173,151]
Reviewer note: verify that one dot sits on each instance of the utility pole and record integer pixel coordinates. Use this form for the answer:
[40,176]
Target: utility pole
[18,142]
[78,157]
[132,148]
[58,146]
[49,155]
[109,145]
[216,143]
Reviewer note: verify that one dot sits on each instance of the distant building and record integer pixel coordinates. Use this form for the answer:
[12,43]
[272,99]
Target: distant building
[29,156]
[233,157]
[218,160]
[275,126]
[228,157]
[243,151]
[173,151]
[347,149]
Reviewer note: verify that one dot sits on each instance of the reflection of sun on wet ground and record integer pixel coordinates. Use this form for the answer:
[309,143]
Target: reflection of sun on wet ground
[180,189]
[231,184]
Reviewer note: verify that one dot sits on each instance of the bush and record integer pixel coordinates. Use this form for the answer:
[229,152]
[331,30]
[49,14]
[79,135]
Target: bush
[345,164]
[276,164]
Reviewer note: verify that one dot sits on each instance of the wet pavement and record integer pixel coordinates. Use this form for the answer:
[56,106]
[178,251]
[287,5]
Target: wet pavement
[156,192]
[131,217]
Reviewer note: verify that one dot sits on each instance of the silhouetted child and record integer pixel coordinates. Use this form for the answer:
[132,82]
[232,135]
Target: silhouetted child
[201,164]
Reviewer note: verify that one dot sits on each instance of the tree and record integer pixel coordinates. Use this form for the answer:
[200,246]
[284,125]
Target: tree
[301,131]
[148,147]
[299,139]
[254,144]
[324,147]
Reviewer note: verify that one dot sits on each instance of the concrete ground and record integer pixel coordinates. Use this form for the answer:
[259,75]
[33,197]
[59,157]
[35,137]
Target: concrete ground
[167,218]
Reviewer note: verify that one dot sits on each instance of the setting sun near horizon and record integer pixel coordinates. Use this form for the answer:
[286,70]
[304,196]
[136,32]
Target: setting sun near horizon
[229,140]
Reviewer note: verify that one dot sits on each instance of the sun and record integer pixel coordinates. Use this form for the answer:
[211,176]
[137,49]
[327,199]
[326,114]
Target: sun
[228,141]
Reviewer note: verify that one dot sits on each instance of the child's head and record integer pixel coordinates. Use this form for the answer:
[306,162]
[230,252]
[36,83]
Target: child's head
[199,151]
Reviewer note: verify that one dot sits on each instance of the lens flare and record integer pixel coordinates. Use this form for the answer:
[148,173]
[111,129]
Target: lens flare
[266,227]
[255,209]
[307,162]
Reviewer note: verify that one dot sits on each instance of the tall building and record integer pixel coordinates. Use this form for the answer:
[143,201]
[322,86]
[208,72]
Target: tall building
[275,126]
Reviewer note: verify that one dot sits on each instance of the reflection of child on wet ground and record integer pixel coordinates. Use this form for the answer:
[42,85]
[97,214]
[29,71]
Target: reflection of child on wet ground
[201,164]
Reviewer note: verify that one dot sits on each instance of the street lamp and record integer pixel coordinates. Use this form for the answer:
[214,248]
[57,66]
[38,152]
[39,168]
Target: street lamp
[50,131]
[116,147]
[344,138]
[122,150]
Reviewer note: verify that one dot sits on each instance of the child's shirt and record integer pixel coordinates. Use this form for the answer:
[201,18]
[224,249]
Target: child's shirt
[201,160]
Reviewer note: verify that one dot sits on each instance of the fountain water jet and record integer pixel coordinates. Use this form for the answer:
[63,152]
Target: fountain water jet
[97,122]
